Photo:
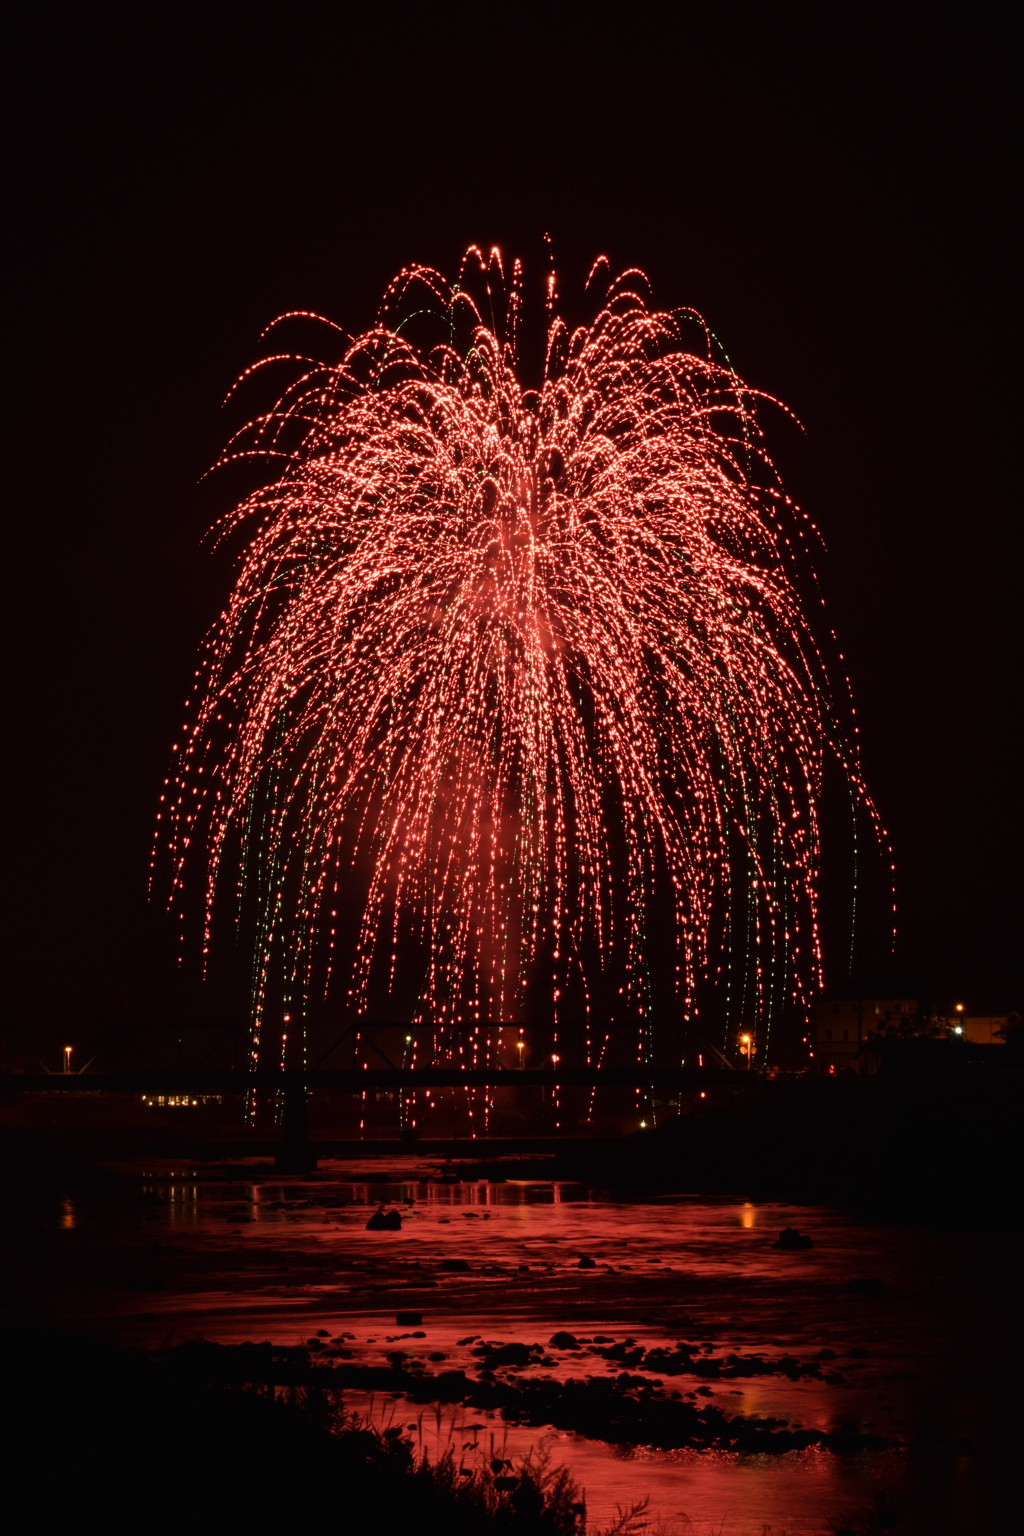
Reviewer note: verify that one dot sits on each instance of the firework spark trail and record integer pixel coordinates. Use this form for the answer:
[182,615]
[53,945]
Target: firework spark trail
[535,657]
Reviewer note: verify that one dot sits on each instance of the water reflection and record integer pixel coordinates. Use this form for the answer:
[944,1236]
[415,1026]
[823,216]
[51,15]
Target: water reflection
[180,1200]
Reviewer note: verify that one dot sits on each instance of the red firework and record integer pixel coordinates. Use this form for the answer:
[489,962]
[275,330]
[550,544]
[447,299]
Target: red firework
[520,672]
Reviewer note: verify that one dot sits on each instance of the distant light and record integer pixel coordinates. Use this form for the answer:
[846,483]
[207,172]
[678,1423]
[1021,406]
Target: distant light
[643,1125]
[959,1007]
[958,1029]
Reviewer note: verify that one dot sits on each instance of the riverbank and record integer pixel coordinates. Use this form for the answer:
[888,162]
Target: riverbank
[111,1439]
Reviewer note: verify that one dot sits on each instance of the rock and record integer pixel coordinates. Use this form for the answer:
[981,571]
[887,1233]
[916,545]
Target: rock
[458,1265]
[506,1354]
[586,1262]
[791,1241]
[385,1221]
[408,1319]
[563,1340]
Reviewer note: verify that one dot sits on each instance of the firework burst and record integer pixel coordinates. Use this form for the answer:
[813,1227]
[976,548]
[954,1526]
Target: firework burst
[518,676]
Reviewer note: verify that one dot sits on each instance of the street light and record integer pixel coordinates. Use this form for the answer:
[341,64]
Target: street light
[521,1047]
[747,1046]
[67,1058]
[958,1028]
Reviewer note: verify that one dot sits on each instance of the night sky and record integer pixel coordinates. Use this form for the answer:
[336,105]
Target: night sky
[835,202]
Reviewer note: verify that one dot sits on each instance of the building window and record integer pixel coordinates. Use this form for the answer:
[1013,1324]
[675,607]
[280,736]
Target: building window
[846,1034]
[828,1034]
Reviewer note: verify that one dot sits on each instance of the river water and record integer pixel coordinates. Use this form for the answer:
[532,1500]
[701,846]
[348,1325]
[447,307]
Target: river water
[921,1356]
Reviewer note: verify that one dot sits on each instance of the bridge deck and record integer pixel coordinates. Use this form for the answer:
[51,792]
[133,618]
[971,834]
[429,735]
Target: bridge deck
[354,1080]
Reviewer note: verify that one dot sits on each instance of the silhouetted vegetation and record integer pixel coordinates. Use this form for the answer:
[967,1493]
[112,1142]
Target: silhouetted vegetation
[106,1436]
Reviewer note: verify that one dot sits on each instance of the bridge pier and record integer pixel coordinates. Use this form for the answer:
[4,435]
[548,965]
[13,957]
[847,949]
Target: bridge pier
[295,1155]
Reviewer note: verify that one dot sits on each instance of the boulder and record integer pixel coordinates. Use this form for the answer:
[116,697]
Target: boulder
[385,1221]
[791,1241]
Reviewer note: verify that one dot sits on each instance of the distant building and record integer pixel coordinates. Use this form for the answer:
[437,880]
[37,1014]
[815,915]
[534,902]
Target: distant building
[989,1029]
[842,1027]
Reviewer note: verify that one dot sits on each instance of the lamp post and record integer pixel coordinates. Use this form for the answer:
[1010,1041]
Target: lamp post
[959,1026]
[747,1047]
[67,1059]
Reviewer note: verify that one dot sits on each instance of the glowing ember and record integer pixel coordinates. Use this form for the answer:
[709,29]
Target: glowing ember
[517,676]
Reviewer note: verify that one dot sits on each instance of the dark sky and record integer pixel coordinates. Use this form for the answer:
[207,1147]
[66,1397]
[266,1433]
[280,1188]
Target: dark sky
[833,195]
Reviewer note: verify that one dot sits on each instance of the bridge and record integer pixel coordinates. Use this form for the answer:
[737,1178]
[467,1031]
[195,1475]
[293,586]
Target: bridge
[295,1152]
[356,1079]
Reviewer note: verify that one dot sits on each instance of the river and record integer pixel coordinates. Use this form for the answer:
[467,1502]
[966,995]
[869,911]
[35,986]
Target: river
[901,1333]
